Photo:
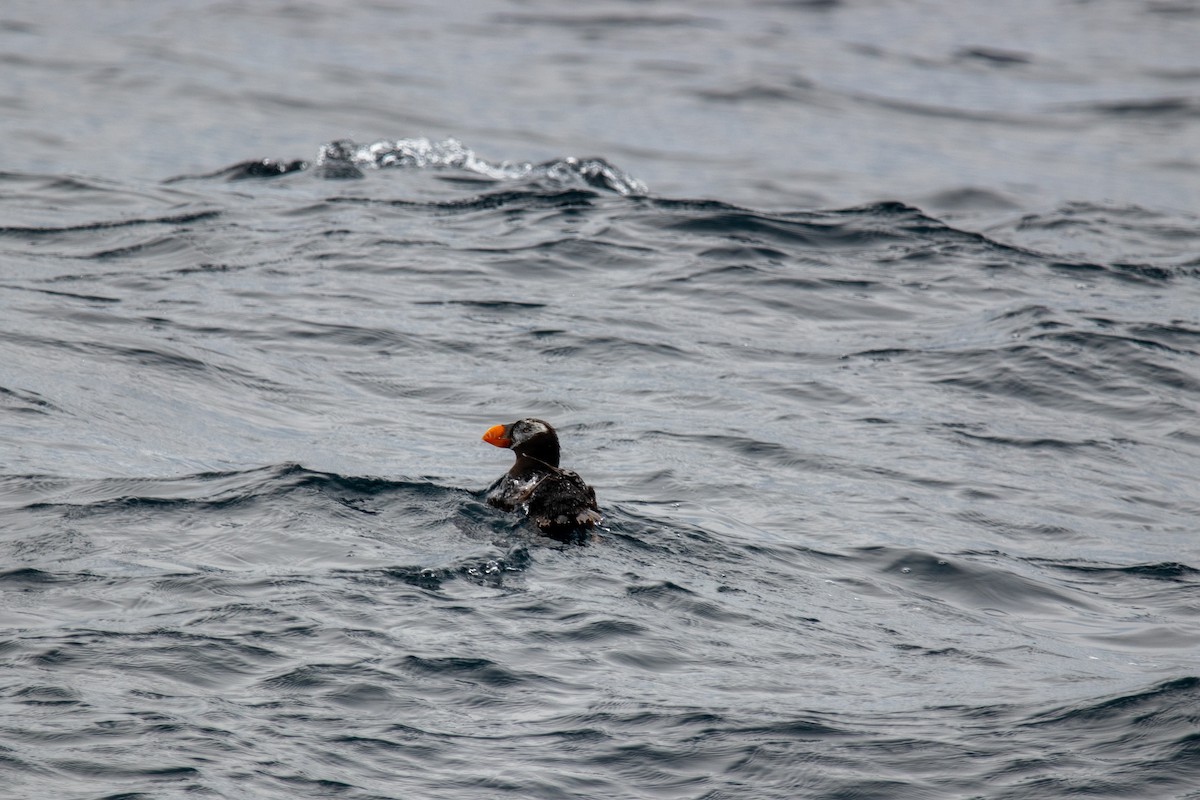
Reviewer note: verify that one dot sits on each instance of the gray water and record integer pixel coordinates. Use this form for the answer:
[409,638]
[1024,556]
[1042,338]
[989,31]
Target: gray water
[874,327]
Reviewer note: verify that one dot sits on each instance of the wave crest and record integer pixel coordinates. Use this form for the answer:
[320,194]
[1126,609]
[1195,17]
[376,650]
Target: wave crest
[344,158]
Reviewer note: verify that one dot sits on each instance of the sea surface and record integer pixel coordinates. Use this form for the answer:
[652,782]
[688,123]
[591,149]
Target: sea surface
[875,326]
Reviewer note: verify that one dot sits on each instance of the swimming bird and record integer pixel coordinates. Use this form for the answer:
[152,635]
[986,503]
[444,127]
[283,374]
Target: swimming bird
[556,500]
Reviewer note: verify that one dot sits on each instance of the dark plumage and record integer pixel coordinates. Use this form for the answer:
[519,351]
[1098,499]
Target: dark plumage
[555,499]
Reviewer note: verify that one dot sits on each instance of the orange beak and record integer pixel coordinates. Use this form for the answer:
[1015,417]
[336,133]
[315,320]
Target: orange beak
[495,436]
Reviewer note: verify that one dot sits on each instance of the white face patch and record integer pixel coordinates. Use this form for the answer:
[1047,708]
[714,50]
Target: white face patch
[526,429]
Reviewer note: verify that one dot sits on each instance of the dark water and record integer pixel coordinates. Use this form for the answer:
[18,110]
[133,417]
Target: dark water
[876,328]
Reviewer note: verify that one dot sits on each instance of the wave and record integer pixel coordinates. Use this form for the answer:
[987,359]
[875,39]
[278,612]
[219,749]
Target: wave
[345,159]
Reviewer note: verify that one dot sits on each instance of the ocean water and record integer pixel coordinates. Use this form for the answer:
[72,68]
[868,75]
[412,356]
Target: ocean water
[875,326]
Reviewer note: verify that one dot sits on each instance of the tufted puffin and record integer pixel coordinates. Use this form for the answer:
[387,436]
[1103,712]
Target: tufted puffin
[555,499]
